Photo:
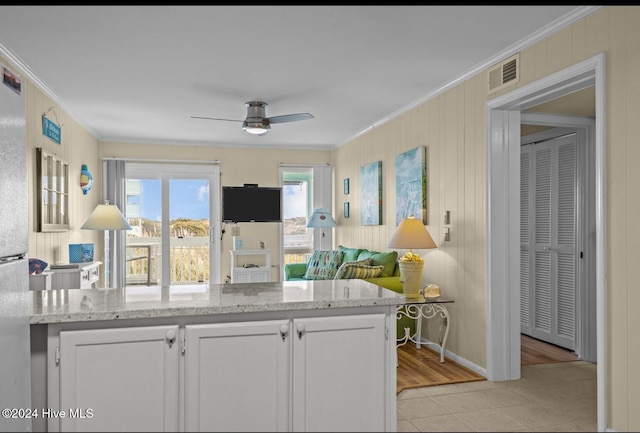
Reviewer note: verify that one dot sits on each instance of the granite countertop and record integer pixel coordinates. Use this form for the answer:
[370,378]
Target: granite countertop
[81,305]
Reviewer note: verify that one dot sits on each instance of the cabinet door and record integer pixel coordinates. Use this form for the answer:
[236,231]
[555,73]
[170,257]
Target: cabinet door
[128,377]
[241,275]
[339,373]
[261,275]
[237,376]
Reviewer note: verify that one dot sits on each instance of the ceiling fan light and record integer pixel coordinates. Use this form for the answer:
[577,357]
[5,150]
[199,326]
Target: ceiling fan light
[256,128]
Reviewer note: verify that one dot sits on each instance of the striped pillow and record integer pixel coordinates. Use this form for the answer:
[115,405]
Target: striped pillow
[354,270]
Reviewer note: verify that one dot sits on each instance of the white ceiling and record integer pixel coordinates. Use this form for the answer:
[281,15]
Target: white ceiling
[137,73]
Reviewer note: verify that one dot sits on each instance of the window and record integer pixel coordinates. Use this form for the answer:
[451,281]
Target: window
[53,192]
[296,206]
[304,188]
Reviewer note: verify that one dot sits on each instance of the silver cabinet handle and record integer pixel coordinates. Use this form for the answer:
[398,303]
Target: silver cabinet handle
[300,328]
[171,338]
[284,330]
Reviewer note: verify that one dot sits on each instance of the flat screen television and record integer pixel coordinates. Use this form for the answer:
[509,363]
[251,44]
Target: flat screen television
[251,204]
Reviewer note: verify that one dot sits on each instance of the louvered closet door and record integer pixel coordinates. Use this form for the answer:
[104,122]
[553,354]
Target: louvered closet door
[548,240]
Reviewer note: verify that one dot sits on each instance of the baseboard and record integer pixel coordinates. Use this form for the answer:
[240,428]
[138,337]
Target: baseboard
[460,360]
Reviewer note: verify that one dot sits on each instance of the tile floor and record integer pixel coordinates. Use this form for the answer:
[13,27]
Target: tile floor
[557,397]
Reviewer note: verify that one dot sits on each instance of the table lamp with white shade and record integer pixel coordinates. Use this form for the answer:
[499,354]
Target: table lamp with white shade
[411,234]
[106,217]
[321,218]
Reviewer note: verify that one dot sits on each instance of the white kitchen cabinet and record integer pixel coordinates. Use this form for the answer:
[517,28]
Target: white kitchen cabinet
[237,376]
[120,379]
[250,271]
[300,374]
[339,373]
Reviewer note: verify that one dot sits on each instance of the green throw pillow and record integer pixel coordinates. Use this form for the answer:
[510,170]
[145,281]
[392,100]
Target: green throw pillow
[323,265]
[387,260]
[351,270]
[350,254]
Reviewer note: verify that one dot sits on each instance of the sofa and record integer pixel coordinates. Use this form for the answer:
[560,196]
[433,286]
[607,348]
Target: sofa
[380,268]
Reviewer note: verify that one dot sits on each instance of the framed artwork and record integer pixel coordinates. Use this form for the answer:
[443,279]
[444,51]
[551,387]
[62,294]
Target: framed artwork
[346,186]
[346,209]
[10,80]
[371,194]
[411,185]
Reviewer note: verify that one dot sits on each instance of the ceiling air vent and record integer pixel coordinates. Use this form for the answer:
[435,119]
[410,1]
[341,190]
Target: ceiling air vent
[504,73]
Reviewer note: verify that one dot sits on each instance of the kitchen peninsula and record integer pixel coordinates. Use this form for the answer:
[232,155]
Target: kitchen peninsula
[274,356]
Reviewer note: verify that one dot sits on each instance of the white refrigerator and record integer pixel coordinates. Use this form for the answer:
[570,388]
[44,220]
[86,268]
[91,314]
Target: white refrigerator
[15,364]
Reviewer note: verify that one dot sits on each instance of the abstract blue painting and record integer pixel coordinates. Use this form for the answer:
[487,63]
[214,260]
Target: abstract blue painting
[411,185]
[371,194]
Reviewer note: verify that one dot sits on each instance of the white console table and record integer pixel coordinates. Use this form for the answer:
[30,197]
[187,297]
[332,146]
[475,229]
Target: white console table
[75,275]
[250,272]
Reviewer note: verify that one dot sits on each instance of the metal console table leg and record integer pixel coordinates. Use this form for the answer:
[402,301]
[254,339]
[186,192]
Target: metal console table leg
[427,310]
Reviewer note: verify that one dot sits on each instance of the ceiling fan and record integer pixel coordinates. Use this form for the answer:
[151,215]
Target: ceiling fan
[256,122]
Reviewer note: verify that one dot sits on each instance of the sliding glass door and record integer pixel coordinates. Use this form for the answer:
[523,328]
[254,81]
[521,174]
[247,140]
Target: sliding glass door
[174,212]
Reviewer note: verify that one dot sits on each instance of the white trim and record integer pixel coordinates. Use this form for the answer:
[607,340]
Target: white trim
[503,115]
[532,39]
[303,164]
[168,161]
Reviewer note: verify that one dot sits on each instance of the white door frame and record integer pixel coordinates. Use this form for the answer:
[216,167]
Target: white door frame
[503,217]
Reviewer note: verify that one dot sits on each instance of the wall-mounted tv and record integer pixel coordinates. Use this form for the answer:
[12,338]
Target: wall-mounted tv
[251,203]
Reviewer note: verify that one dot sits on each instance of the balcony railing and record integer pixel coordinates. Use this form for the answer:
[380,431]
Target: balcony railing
[189,259]
[188,263]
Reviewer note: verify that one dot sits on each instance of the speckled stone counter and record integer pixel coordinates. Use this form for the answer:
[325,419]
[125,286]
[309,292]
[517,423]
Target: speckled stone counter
[83,305]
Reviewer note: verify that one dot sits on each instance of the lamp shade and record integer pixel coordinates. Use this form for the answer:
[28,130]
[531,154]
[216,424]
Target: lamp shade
[106,217]
[410,234]
[321,217]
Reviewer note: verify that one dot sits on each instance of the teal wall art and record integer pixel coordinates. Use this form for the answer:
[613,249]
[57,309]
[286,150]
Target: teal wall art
[411,185]
[371,194]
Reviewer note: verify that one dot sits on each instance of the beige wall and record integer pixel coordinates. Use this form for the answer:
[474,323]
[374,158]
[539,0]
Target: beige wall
[76,147]
[237,167]
[452,127]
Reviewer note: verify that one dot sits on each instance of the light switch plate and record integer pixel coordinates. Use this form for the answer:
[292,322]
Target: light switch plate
[446,234]
[447,217]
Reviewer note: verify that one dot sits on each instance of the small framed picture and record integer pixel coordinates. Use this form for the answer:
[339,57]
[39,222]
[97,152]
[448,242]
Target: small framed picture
[346,209]
[10,80]
[346,186]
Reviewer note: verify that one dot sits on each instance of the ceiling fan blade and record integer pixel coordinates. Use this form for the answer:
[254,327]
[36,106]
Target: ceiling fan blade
[289,118]
[215,118]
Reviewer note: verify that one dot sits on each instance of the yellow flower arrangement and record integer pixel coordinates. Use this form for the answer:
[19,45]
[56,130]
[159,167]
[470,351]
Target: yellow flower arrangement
[411,257]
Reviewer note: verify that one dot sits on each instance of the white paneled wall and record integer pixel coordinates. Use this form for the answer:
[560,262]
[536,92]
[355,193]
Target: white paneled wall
[452,127]
[77,147]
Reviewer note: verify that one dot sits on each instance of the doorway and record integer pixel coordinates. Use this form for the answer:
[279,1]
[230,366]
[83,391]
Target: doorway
[503,231]
[172,209]
[557,206]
